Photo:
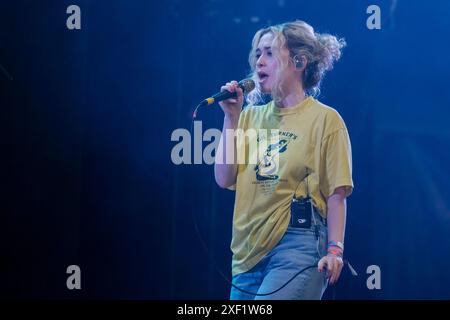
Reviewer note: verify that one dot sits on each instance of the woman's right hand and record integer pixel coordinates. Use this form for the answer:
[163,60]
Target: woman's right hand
[232,107]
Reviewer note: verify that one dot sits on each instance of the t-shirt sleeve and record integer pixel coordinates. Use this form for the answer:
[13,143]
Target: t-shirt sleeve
[336,163]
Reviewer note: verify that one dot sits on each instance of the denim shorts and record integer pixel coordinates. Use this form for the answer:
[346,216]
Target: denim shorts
[298,248]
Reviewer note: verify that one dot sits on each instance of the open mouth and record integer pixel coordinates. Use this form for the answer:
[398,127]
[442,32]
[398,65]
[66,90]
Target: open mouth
[262,76]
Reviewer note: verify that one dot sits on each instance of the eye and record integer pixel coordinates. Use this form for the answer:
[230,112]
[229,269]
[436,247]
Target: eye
[258,55]
[269,53]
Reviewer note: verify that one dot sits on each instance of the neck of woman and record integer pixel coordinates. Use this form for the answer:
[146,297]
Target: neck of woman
[294,95]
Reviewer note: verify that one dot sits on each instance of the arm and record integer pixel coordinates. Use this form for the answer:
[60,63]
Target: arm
[336,217]
[225,174]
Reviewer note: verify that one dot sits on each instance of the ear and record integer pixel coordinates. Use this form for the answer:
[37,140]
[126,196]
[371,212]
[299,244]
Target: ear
[299,62]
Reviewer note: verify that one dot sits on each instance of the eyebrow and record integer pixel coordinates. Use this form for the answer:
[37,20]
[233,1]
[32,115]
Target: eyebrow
[265,48]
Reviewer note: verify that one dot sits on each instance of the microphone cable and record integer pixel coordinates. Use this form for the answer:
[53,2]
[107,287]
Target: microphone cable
[208,252]
[213,261]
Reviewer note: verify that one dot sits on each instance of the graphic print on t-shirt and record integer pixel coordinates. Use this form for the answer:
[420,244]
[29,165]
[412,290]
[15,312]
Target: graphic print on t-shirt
[266,170]
[268,166]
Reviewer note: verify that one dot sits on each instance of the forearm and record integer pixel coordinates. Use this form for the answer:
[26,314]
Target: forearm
[225,166]
[336,216]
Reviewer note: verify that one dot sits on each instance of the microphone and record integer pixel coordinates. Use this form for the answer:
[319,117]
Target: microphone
[246,85]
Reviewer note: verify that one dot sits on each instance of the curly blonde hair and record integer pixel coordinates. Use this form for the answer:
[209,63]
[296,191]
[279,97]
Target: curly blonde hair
[319,50]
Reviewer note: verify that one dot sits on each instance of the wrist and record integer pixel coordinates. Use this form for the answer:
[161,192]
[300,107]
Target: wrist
[338,244]
[335,248]
[335,251]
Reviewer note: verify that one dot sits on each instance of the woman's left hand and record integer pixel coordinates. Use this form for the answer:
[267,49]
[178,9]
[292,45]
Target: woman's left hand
[333,264]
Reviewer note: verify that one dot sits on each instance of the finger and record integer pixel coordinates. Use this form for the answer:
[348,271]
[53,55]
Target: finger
[225,88]
[336,275]
[322,264]
[331,269]
[240,92]
[337,267]
[333,277]
[340,265]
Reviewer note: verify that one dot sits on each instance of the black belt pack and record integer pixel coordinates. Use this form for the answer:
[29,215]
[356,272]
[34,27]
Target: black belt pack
[301,212]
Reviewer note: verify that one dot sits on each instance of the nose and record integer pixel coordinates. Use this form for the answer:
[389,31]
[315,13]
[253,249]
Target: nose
[261,61]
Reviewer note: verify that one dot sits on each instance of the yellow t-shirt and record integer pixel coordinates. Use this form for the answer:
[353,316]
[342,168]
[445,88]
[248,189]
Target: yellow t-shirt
[312,142]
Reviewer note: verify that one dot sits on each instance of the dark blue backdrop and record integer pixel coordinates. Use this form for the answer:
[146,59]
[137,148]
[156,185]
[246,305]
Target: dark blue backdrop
[88,115]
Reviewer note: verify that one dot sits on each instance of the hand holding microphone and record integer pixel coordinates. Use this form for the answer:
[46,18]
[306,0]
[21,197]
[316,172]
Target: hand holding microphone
[232,106]
[230,97]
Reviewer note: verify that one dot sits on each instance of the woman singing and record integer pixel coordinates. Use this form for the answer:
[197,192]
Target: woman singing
[290,205]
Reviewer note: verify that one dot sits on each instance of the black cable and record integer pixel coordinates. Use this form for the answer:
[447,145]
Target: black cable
[205,247]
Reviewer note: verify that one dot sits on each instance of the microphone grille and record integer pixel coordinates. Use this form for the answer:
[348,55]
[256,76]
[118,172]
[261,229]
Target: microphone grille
[247,85]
